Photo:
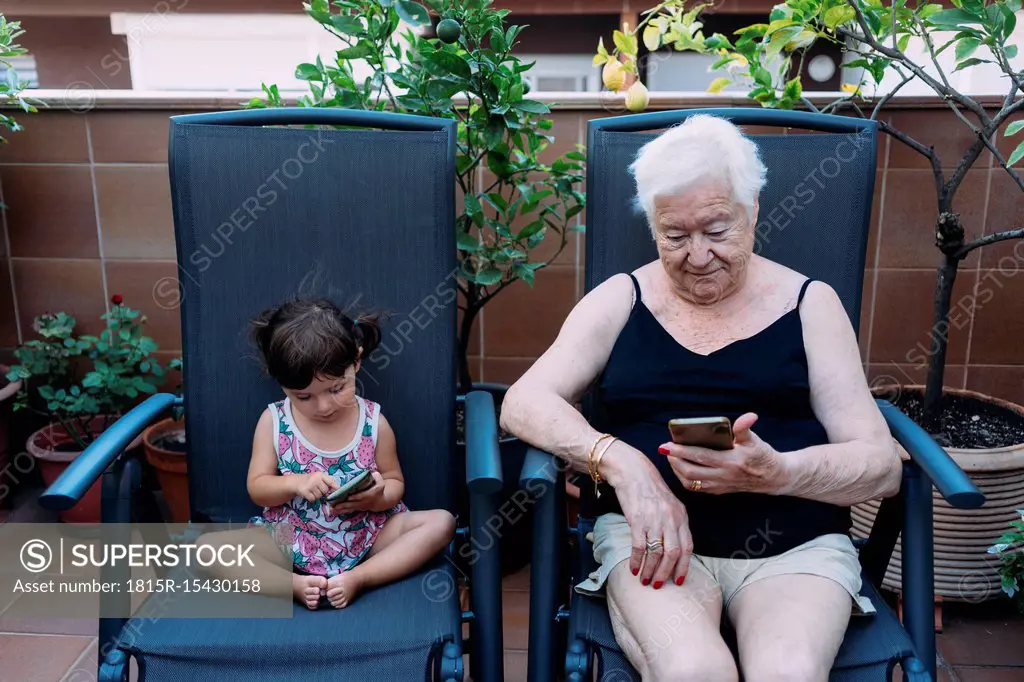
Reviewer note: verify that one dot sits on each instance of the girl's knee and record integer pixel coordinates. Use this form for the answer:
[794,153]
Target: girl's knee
[443,521]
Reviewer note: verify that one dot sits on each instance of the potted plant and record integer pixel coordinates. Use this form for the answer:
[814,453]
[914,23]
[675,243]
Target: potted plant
[11,89]
[82,384]
[1009,549]
[166,450]
[983,434]
[512,202]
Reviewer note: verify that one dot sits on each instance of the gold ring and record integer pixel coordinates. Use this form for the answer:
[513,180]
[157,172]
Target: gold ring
[695,485]
[651,546]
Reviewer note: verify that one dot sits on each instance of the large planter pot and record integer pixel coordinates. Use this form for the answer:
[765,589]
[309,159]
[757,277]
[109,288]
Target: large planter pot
[512,528]
[164,443]
[7,393]
[964,570]
[54,450]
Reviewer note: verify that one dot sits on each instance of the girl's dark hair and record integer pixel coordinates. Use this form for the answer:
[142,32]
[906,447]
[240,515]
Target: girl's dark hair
[303,339]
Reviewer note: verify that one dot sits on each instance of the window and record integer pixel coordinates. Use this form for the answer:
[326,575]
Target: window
[561,73]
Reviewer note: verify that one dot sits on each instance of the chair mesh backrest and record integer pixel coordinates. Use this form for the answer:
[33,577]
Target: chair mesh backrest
[815,209]
[364,217]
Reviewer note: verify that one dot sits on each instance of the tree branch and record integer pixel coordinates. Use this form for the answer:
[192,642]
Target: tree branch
[889,95]
[972,154]
[1017,233]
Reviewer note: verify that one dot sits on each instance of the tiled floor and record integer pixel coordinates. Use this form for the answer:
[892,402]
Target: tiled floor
[979,643]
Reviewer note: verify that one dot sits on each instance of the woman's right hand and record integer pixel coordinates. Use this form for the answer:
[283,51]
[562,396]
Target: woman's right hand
[653,513]
[313,486]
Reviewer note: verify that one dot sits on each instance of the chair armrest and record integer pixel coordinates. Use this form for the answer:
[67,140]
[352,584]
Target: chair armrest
[69,488]
[483,458]
[949,479]
[540,467]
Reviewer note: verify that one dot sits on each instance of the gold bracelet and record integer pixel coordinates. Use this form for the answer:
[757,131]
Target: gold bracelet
[597,464]
[590,455]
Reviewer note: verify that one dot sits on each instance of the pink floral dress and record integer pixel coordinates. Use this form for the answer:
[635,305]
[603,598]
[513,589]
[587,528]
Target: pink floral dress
[322,544]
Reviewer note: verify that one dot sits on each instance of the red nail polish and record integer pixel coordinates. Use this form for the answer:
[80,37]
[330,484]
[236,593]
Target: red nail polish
[680,580]
[658,585]
[663,450]
[645,582]
[635,570]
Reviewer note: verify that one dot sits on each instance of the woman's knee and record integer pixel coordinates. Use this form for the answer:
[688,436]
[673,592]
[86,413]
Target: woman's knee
[788,665]
[684,665]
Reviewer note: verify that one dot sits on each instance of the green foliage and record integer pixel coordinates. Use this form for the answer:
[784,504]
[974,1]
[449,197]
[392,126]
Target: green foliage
[11,88]
[120,362]
[1010,550]
[470,75]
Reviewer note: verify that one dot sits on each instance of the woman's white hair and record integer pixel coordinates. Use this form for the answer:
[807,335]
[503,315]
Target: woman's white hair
[702,149]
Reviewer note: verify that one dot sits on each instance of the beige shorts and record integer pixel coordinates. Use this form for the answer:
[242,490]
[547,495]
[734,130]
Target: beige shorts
[830,556]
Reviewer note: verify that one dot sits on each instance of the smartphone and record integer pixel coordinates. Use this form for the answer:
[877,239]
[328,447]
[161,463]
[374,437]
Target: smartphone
[714,433]
[357,484]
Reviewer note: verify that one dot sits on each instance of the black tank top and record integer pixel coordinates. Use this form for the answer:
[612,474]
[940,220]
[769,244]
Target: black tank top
[650,378]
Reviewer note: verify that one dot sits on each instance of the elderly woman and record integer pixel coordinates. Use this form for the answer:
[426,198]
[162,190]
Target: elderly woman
[758,532]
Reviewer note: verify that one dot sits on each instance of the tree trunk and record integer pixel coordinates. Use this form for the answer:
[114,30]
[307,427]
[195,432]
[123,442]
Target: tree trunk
[931,413]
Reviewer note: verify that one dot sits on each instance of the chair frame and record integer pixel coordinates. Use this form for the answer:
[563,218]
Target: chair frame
[125,501]
[909,512]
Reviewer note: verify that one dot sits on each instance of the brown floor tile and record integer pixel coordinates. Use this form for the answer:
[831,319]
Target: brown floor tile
[970,674]
[908,221]
[41,658]
[129,136]
[50,137]
[53,285]
[901,330]
[518,581]
[515,608]
[506,370]
[938,127]
[982,637]
[49,626]
[523,321]
[515,666]
[84,670]
[998,318]
[145,286]
[135,212]
[1006,381]
[1005,212]
[50,211]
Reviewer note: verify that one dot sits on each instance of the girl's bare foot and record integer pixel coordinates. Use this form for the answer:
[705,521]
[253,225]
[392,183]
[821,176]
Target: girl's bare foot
[308,589]
[343,588]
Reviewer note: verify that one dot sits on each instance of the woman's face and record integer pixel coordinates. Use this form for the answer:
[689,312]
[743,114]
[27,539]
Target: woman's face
[705,241]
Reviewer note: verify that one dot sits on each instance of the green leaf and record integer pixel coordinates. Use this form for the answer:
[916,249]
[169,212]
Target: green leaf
[347,24]
[969,62]
[953,17]
[839,15]
[444,89]
[652,38]
[488,276]
[412,12]
[793,88]
[903,42]
[1011,51]
[467,242]
[1017,155]
[308,72]
[626,43]
[966,47]
[451,63]
[761,75]
[531,229]
[358,51]
[531,106]
[1014,128]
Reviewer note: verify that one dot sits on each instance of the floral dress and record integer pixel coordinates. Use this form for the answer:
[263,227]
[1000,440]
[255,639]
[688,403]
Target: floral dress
[322,544]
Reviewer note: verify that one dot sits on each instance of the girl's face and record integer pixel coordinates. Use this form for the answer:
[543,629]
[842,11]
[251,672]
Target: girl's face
[326,398]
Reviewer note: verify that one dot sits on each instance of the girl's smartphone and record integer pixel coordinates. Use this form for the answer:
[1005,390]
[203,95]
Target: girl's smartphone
[357,484]
[714,433]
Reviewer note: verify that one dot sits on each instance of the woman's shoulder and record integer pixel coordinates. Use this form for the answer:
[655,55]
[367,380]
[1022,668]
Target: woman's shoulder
[795,286]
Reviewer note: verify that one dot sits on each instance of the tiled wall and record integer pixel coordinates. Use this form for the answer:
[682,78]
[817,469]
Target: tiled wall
[89,216]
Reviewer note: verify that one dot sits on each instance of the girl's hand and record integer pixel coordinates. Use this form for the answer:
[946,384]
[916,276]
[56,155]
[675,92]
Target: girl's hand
[313,486]
[372,499]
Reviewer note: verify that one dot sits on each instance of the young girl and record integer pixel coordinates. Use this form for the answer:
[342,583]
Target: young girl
[321,435]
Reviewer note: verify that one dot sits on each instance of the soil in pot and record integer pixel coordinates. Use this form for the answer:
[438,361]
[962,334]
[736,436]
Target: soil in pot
[967,422]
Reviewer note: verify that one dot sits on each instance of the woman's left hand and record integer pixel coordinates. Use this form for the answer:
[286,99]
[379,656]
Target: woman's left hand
[750,466]
[371,499]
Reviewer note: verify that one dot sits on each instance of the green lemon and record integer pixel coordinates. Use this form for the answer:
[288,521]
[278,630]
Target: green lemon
[449,30]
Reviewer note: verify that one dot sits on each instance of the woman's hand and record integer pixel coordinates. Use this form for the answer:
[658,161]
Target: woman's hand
[653,513]
[750,466]
[372,499]
[313,486]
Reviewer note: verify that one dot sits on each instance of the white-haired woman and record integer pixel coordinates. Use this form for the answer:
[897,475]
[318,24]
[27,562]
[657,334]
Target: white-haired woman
[758,532]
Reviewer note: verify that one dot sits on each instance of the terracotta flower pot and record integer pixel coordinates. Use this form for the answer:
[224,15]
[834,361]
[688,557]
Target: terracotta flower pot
[54,449]
[171,464]
[7,394]
[964,570]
